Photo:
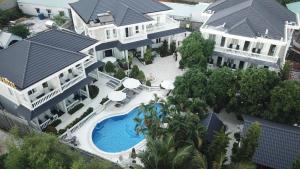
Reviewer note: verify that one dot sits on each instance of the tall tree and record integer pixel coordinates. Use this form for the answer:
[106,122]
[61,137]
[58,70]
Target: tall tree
[296,164]
[285,103]
[249,144]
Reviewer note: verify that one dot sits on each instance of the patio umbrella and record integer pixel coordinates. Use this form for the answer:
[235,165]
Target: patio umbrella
[131,83]
[167,84]
[109,59]
[117,96]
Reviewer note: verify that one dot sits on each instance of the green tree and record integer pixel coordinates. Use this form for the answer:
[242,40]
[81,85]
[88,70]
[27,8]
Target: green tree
[255,91]
[249,144]
[219,145]
[285,71]
[222,86]
[246,165]
[195,51]
[59,20]
[110,67]
[285,101]
[19,30]
[164,49]
[296,164]
[141,76]
[134,71]
[120,74]
[92,164]
[148,56]
[172,47]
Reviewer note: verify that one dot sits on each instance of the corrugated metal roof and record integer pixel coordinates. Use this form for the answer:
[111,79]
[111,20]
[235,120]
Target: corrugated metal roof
[279,144]
[125,12]
[251,18]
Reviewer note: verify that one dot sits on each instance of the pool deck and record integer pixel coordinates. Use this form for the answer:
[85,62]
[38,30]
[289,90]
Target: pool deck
[84,134]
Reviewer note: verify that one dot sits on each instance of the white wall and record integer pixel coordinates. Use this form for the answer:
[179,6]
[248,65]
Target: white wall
[30,9]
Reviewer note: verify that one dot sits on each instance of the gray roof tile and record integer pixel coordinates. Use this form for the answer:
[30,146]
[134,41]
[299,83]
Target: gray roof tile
[251,18]
[279,144]
[124,12]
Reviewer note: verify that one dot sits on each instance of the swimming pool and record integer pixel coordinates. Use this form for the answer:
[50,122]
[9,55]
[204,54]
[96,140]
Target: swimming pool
[117,133]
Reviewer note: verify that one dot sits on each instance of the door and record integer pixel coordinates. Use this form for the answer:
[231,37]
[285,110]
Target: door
[219,61]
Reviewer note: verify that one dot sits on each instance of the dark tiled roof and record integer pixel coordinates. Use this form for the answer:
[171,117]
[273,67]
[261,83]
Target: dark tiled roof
[22,111]
[42,55]
[64,39]
[166,33]
[124,12]
[251,18]
[213,124]
[279,144]
[27,62]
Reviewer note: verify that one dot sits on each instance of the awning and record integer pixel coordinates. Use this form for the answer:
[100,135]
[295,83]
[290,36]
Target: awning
[168,84]
[94,66]
[131,83]
[29,115]
[123,46]
[166,33]
[116,96]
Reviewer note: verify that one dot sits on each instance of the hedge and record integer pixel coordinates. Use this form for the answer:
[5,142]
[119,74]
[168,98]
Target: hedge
[86,113]
[76,108]
[94,91]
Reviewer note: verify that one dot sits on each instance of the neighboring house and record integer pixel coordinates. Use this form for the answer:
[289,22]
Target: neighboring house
[7,39]
[279,144]
[249,33]
[213,124]
[48,8]
[44,76]
[7,4]
[125,26]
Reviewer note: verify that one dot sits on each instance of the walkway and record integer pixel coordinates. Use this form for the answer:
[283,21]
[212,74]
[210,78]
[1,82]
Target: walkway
[162,68]
[3,137]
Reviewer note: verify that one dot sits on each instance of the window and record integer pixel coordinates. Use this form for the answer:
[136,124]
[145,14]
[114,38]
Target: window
[272,50]
[128,32]
[45,85]
[37,10]
[10,91]
[70,71]
[136,29]
[158,40]
[223,41]
[211,37]
[61,13]
[48,11]
[115,33]
[61,75]
[108,53]
[158,20]
[143,27]
[107,34]
[30,92]
[246,46]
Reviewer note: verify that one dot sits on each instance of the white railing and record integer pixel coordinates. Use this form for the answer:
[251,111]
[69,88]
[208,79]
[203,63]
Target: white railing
[170,24]
[72,82]
[247,54]
[45,98]
[134,38]
[89,62]
[49,121]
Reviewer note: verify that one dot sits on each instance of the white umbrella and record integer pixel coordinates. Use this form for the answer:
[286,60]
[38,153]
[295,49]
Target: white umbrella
[168,84]
[109,59]
[131,83]
[117,96]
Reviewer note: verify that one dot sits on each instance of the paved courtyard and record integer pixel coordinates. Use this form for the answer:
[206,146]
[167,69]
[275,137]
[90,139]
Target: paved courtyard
[162,68]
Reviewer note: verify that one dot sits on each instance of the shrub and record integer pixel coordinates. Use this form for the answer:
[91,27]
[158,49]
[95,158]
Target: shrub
[76,108]
[62,131]
[56,123]
[134,71]
[141,76]
[50,129]
[120,74]
[148,56]
[164,51]
[172,47]
[9,15]
[86,113]
[148,83]
[104,100]
[19,30]
[2,158]
[93,90]
[59,20]
[110,67]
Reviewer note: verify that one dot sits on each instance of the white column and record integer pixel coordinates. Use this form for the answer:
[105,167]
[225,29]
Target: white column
[169,41]
[87,91]
[142,51]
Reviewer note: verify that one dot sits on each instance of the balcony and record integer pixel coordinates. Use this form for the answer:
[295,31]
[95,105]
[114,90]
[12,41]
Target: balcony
[134,38]
[169,24]
[90,61]
[72,80]
[44,98]
[247,54]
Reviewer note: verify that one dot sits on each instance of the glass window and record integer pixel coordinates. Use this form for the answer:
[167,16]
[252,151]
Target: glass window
[37,10]
[136,29]
[115,33]
[107,34]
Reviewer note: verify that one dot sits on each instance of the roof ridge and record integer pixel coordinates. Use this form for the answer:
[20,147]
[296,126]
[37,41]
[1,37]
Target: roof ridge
[73,33]
[57,48]
[27,60]
[92,11]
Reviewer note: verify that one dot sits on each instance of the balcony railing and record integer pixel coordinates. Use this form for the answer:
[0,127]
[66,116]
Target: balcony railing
[247,54]
[72,82]
[169,24]
[45,98]
[89,62]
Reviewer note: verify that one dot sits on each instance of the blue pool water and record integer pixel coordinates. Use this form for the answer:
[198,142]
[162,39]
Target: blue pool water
[118,133]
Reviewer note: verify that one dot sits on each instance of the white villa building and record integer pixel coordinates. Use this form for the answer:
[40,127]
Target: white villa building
[123,26]
[44,76]
[48,8]
[254,33]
